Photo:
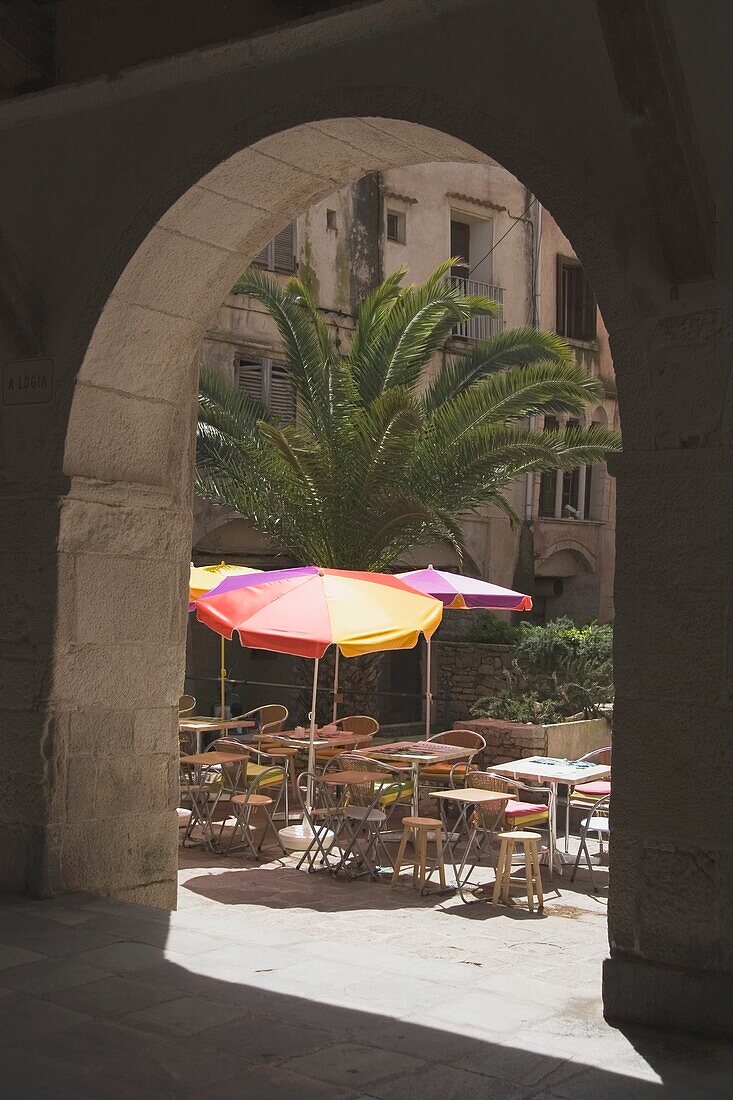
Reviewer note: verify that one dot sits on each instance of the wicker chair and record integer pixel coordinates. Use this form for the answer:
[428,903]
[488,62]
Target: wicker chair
[270,719]
[450,772]
[186,705]
[361,725]
[516,814]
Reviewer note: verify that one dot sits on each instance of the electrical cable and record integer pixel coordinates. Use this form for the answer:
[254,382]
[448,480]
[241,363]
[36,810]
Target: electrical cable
[497,243]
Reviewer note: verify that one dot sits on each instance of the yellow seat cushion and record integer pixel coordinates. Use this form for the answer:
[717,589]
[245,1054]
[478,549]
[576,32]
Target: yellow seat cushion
[527,819]
[253,770]
[395,791]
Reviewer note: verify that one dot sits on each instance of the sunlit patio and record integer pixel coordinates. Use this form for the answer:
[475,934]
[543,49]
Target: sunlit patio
[272,982]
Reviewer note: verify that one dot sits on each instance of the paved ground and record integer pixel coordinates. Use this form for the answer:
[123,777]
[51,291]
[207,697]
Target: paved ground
[270,983]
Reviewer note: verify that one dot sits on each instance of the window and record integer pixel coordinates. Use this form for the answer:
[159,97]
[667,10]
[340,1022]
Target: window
[396,226]
[270,383]
[570,507]
[331,220]
[460,247]
[576,302]
[279,254]
[566,494]
[548,478]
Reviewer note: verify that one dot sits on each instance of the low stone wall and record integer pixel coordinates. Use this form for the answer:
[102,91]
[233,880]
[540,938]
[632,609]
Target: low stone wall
[469,670]
[518,740]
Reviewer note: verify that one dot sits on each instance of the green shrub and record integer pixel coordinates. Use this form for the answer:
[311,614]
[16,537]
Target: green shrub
[563,670]
[491,630]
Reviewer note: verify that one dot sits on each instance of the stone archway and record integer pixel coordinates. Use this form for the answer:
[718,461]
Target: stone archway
[128,288]
[130,434]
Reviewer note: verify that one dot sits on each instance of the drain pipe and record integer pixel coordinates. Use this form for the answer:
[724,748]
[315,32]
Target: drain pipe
[536,313]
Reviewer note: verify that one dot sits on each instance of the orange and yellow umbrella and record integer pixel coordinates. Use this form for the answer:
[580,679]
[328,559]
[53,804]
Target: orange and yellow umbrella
[305,610]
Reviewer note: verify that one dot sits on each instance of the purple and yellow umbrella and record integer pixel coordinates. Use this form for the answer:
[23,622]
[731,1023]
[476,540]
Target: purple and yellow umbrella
[463,594]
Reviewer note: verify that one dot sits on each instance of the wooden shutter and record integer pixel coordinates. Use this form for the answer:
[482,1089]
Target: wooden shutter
[576,302]
[281,397]
[263,258]
[250,378]
[283,249]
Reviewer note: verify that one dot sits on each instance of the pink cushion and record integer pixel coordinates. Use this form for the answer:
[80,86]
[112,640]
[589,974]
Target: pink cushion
[523,809]
[598,789]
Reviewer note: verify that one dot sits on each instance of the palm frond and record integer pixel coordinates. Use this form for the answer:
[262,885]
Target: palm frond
[512,348]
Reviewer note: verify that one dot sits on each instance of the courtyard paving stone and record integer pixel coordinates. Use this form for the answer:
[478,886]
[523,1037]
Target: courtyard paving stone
[272,983]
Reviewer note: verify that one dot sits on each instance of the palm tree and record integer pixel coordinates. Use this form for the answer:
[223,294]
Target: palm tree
[383,456]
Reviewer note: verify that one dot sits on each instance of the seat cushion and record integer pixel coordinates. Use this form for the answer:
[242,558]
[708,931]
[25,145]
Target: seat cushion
[598,789]
[397,791]
[444,769]
[525,812]
[253,770]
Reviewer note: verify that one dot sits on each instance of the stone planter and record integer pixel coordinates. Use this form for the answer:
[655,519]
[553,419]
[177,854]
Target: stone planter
[515,740]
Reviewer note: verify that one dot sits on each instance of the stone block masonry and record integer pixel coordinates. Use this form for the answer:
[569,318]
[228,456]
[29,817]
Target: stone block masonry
[470,670]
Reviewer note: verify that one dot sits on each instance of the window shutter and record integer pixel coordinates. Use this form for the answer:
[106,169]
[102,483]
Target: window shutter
[282,399]
[262,259]
[250,378]
[284,249]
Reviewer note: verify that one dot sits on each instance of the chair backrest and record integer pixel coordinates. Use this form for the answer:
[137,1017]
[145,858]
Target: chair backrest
[186,704]
[360,794]
[270,718]
[487,781]
[360,724]
[490,814]
[469,738]
[601,756]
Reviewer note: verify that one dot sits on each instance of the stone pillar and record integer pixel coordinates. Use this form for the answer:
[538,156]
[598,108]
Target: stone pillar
[671,892]
[92,646]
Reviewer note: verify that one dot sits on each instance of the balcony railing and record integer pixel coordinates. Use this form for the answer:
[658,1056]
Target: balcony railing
[480,328]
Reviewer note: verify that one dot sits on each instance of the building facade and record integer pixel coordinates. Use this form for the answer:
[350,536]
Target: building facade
[511,250]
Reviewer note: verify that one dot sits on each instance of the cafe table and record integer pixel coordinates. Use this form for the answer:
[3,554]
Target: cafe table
[417,754]
[194,768]
[201,724]
[468,798]
[554,772]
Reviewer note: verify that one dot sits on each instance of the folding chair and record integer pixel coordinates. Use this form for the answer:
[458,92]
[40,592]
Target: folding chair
[322,816]
[244,804]
[596,822]
[366,809]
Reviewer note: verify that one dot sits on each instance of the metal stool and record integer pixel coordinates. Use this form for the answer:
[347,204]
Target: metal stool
[533,880]
[420,828]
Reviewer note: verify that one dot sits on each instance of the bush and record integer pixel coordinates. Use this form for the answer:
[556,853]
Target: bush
[491,630]
[567,670]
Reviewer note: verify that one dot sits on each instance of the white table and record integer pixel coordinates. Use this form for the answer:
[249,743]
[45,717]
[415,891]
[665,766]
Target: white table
[553,772]
[201,724]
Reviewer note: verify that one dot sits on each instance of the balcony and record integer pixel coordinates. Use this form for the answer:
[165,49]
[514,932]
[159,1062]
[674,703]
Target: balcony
[480,328]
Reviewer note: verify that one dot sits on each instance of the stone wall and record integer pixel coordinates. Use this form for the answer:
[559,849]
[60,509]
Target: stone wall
[468,670]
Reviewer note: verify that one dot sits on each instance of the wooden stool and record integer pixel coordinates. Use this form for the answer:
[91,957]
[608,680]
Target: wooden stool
[532,877]
[421,827]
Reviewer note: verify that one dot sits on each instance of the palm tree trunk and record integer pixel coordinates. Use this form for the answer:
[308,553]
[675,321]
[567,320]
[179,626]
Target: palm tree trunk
[359,679]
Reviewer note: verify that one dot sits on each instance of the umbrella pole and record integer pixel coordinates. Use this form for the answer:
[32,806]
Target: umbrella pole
[335,686]
[428,692]
[311,746]
[222,676]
